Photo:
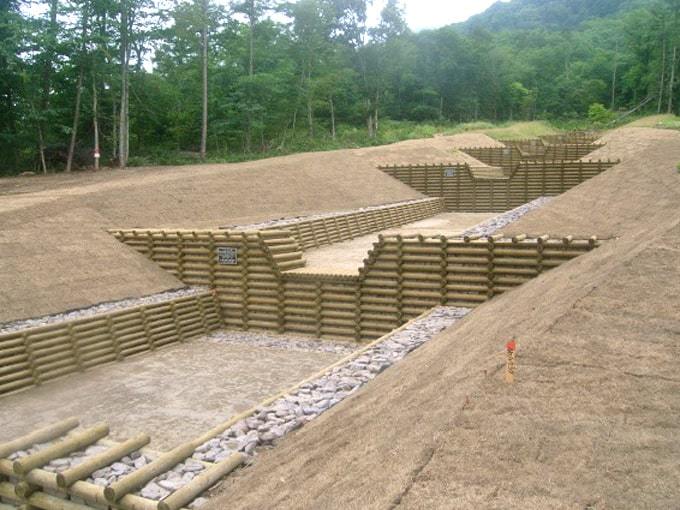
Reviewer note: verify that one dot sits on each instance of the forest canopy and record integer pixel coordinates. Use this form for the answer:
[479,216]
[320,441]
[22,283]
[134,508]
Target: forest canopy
[127,78]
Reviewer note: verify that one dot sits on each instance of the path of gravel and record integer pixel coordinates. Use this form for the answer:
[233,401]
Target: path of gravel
[496,223]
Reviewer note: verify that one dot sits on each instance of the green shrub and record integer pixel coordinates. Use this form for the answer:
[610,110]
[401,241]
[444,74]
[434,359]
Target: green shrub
[599,115]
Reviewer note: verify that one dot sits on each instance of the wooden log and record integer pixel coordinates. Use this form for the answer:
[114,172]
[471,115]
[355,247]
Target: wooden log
[203,481]
[48,502]
[39,436]
[142,476]
[70,444]
[90,465]
[7,492]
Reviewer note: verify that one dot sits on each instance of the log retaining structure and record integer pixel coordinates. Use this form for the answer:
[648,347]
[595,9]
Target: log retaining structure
[324,229]
[25,484]
[463,190]
[515,152]
[401,277]
[36,355]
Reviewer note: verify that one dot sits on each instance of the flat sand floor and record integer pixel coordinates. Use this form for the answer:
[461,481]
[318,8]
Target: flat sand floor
[347,257]
[173,394]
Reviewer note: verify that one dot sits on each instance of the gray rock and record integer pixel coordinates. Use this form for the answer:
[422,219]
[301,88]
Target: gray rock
[153,491]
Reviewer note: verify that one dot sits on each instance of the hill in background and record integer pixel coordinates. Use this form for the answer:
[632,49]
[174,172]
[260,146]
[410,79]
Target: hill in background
[547,14]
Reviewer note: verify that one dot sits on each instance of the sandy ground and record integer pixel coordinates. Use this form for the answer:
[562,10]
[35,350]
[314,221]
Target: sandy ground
[593,418]
[174,394]
[347,257]
[56,255]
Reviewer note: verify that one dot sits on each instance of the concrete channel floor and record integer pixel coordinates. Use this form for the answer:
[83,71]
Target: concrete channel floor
[173,394]
[347,257]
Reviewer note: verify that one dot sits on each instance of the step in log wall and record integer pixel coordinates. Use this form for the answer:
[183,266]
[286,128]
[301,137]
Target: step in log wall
[401,278]
[512,155]
[36,355]
[465,192]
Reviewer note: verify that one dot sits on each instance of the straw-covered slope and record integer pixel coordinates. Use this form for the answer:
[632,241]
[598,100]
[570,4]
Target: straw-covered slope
[641,191]
[592,421]
[57,256]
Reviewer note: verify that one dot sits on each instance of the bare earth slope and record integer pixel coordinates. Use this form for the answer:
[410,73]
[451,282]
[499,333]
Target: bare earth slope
[592,421]
[642,190]
[55,254]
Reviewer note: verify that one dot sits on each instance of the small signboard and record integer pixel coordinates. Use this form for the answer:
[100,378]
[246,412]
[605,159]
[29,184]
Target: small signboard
[449,172]
[227,255]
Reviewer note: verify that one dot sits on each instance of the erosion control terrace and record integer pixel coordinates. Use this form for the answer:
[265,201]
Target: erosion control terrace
[460,254]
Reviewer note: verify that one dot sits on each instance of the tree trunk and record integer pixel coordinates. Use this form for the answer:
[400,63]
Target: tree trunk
[332,117]
[41,149]
[663,77]
[76,118]
[79,93]
[310,115]
[95,124]
[310,106]
[441,107]
[251,38]
[123,125]
[47,79]
[671,83]
[616,66]
[114,132]
[204,67]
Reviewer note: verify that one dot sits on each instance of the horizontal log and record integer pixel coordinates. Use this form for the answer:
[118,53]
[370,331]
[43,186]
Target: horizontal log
[72,443]
[203,481]
[42,435]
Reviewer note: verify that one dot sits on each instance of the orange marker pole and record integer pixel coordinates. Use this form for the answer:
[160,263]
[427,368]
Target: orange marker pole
[511,364]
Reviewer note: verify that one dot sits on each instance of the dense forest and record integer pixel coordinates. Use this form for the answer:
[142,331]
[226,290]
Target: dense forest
[128,79]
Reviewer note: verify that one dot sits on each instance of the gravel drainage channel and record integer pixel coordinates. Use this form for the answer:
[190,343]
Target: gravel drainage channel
[491,226]
[110,306]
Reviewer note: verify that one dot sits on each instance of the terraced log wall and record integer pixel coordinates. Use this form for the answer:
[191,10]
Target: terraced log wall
[333,228]
[512,155]
[33,356]
[462,190]
[401,278]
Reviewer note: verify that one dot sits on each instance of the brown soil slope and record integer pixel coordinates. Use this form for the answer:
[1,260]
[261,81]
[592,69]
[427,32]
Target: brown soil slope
[592,421]
[642,190]
[56,256]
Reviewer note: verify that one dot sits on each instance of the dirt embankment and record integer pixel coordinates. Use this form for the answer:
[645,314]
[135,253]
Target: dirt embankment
[593,419]
[641,191]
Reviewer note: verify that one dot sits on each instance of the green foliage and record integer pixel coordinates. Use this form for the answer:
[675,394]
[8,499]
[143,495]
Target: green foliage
[599,115]
[280,84]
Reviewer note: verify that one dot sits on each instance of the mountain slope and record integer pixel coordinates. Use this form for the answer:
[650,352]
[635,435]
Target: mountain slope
[548,14]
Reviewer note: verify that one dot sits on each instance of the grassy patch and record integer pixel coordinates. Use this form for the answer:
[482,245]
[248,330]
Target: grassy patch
[520,130]
[664,121]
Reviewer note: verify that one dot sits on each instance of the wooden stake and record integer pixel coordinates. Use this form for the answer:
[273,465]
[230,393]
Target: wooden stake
[510,366]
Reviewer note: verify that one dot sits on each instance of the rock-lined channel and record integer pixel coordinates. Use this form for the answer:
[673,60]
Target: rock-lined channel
[496,223]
